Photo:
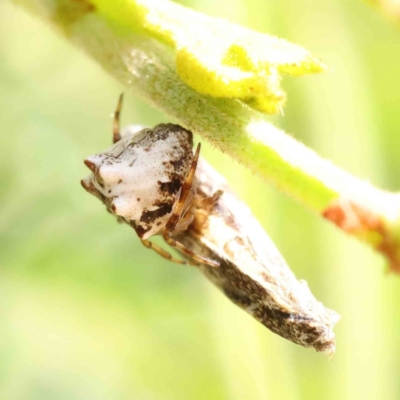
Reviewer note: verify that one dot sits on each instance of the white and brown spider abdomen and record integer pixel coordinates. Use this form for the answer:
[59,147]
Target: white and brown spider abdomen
[139,178]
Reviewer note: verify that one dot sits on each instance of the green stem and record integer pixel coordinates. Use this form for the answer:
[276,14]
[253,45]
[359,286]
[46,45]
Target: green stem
[147,66]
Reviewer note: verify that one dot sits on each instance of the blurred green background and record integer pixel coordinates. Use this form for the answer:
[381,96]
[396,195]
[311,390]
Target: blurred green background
[87,313]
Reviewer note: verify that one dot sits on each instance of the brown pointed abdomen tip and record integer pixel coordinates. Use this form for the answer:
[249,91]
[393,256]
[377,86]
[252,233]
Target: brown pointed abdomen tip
[91,165]
[86,185]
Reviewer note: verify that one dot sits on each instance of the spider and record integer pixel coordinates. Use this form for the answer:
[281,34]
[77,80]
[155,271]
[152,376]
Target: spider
[146,179]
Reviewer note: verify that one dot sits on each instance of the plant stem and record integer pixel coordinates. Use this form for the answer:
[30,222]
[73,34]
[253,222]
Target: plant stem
[147,67]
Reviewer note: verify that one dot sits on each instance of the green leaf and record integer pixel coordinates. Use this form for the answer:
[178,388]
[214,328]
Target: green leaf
[216,57]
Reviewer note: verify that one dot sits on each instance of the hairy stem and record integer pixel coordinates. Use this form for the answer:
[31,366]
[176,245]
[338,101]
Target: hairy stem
[147,66]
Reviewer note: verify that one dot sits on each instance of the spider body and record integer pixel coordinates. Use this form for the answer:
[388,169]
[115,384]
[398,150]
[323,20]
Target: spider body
[140,177]
[146,180]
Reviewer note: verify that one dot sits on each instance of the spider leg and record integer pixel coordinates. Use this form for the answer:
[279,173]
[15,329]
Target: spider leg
[116,128]
[186,218]
[187,194]
[188,201]
[159,250]
[210,201]
[183,224]
[188,252]
[178,221]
